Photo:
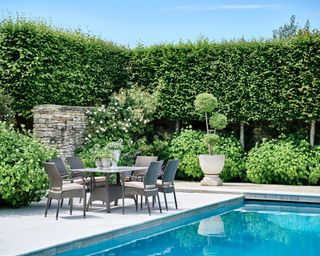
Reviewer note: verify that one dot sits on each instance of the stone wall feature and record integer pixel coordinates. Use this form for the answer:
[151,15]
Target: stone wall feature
[60,126]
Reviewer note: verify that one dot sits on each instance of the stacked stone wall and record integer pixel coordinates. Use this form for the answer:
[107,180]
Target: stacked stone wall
[61,126]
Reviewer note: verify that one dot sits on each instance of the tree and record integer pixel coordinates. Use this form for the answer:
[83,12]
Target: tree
[291,29]
[287,30]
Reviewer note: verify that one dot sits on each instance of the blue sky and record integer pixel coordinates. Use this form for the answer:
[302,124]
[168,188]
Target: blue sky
[153,21]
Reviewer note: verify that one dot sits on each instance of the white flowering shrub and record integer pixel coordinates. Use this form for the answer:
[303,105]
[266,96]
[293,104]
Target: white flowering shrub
[125,118]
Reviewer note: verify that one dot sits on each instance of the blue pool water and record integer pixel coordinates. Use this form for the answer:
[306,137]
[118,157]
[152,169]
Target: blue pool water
[253,229]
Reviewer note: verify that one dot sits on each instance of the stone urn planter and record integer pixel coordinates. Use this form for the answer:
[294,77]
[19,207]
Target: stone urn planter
[115,157]
[211,165]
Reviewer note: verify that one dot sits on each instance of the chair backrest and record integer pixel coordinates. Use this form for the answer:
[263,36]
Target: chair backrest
[170,170]
[60,166]
[150,179]
[55,179]
[144,161]
[76,163]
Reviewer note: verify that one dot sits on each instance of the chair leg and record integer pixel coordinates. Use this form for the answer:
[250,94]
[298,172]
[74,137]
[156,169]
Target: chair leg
[57,214]
[165,200]
[50,203]
[159,203]
[61,202]
[135,202]
[147,201]
[141,198]
[84,204]
[175,198]
[89,204]
[71,204]
[153,201]
[47,206]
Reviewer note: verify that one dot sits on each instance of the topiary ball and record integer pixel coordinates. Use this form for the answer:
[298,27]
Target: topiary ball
[205,102]
[218,121]
[211,139]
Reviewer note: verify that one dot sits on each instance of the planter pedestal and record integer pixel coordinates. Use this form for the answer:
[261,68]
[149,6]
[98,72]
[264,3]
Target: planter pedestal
[211,180]
[211,165]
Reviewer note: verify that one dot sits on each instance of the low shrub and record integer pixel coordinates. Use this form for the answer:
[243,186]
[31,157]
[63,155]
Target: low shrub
[279,161]
[314,165]
[234,166]
[6,112]
[22,176]
[186,147]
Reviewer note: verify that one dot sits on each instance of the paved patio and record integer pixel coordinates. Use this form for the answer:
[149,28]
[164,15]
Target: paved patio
[26,229]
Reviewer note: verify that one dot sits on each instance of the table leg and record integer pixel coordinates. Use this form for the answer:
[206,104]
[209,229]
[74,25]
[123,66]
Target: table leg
[123,193]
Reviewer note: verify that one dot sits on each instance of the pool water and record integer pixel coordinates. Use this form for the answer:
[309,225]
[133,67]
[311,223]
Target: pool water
[253,229]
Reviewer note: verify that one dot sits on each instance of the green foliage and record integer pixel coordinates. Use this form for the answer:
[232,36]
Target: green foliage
[218,121]
[186,147]
[123,120]
[6,113]
[254,81]
[22,176]
[234,166]
[40,64]
[211,139]
[125,117]
[280,162]
[101,152]
[314,165]
[287,30]
[205,102]
[157,147]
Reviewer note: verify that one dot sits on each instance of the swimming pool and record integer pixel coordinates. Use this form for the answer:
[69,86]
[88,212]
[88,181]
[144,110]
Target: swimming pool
[254,228]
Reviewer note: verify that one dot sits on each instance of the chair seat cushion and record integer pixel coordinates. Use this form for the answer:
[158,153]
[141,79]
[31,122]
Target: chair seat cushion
[100,178]
[67,187]
[139,184]
[134,184]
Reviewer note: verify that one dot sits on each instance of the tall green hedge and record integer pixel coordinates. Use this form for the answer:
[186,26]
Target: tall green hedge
[40,64]
[255,81]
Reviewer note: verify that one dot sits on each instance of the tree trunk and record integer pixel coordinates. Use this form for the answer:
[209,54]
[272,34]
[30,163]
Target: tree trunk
[177,126]
[242,134]
[312,132]
[207,125]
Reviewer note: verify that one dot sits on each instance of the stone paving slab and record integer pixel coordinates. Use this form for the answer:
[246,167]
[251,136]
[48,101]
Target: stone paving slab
[26,229]
[307,194]
[192,186]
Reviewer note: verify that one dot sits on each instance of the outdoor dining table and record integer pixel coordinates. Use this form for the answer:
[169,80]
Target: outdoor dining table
[109,192]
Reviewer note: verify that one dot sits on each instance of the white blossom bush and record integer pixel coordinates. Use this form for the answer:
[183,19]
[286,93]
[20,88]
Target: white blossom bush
[125,118]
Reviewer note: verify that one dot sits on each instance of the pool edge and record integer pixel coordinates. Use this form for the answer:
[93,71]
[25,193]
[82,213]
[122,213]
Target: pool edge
[94,239]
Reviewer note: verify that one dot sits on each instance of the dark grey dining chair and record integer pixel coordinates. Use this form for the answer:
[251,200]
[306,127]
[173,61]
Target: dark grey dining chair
[147,187]
[61,167]
[76,163]
[166,184]
[142,161]
[59,190]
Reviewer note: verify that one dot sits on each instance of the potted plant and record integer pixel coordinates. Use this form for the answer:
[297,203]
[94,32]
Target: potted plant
[102,156]
[115,147]
[210,164]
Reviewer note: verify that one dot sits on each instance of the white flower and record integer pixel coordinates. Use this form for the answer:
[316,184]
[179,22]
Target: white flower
[89,135]
[101,122]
